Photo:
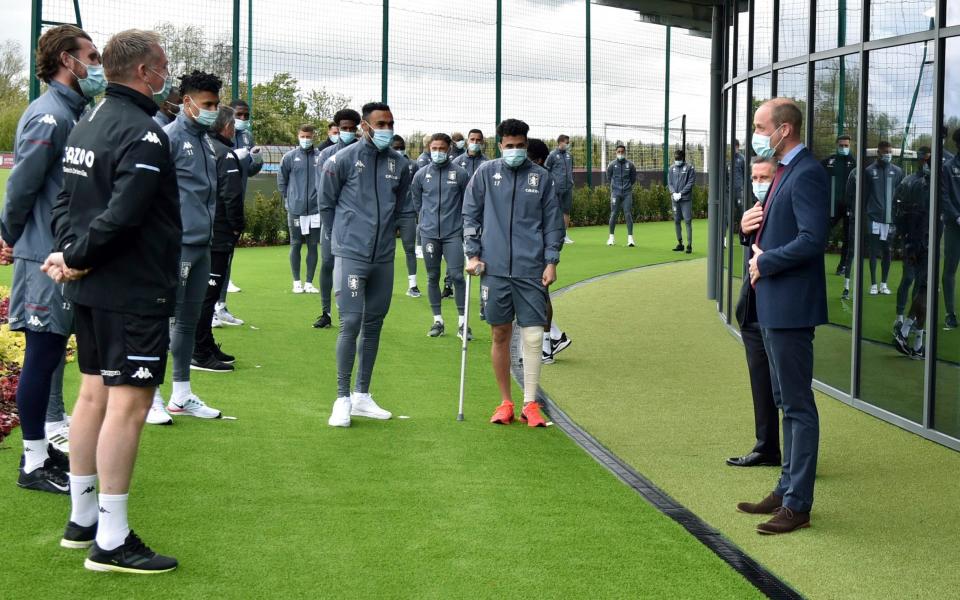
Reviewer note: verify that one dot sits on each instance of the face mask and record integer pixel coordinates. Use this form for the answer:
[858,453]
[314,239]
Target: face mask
[460,144]
[438,157]
[204,118]
[561,148]
[926,169]
[94,83]
[241,125]
[306,143]
[381,138]
[886,158]
[160,96]
[173,108]
[334,138]
[761,144]
[514,157]
[474,148]
[677,163]
[760,189]
[621,157]
[347,137]
[844,151]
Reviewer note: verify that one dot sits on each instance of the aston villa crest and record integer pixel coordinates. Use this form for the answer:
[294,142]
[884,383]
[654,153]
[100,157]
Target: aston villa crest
[353,282]
[392,165]
[533,179]
[452,175]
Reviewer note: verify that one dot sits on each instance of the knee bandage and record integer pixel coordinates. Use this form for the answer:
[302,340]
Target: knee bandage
[532,347]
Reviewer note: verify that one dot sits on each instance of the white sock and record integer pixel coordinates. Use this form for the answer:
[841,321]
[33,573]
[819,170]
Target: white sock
[905,328]
[412,280]
[34,454]
[219,306]
[532,339]
[157,396]
[899,319]
[555,333]
[54,425]
[461,320]
[846,284]
[83,499]
[546,343]
[438,319]
[181,389]
[918,340]
[113,529]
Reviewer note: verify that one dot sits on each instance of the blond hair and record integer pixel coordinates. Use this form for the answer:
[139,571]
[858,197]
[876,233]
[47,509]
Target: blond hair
[127,50]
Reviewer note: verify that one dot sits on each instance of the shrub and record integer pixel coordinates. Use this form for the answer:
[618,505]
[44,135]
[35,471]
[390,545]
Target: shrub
[266,222]
[653,203]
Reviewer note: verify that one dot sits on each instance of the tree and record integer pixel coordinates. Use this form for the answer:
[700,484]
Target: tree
[321,104]
[13,91]
[190,48]
[277,110]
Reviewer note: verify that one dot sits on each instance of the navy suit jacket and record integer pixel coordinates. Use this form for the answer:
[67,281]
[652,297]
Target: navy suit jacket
[792,289]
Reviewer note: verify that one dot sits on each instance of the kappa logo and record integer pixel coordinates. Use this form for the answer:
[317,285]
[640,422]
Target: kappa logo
[353,282]
[496,178]
[88,490]
[48,119]
[142,373]
[109,373]
[151,137]
[428,176]
[188,148]
[296,159]
[211,283]
[34,320]
[359,165]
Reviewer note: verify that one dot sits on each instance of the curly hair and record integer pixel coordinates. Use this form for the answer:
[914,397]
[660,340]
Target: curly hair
[54,42]
[198,81]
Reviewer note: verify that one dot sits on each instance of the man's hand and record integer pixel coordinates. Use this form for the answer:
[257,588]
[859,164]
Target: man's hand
[677,196]
[6,253]
[549,275]
[755,264]
[256,154]
[751,219]
[475,266]
[57,269]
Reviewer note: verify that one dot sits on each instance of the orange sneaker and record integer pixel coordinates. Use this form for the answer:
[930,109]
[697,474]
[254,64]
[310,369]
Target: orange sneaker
[531,415]
[504,413]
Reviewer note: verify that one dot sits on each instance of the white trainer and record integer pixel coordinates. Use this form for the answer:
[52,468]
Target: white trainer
[630,242]
[567,240]
[232,288]
[58,434]
[192,406]
[611,241]
[227,319]
[215,322]
[297,287]
[884,289]
[309,289]
[873,290]
[340,415]
[364,406]
[158,415]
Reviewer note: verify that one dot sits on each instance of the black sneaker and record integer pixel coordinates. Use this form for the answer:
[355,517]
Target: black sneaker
[78,537]
[208,362]
[469,333]
[414,292]
[841,270]
[132,556]
[323,321]
[689,249]
[447,292]
[222,356]
[547,358]
[678,248]
[437,329]
[845,295]
[48,478]
[60,459]
[951,321]
[900,344]
[558,346]
[918,353]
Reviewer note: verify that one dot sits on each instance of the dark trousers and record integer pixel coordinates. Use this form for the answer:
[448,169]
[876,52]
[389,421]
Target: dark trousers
[791,372]
[219,263]
[844,219]
[766,416]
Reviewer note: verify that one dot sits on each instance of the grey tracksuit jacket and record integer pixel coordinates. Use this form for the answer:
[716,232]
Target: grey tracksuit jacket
[437,193]
[195,159]
[621,174]
[296,181]
[560,166]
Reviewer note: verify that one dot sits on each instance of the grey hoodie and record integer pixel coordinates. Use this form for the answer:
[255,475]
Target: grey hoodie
[195,159]
[512,219]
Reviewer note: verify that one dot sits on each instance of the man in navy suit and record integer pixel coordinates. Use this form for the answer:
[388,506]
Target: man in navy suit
[787,236]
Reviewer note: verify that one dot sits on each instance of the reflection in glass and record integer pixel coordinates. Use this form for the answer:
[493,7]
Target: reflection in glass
[794,23]
[792,83]
[762,33]
[834,115]
[743,41]
[953,13]
[898,17]
[946,415]
[894,234]
[838,23]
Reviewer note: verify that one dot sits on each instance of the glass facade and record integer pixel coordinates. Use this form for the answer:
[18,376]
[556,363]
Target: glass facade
[880,94]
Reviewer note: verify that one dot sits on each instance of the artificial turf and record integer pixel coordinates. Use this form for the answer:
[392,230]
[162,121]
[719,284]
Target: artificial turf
[277,504]
[669,394]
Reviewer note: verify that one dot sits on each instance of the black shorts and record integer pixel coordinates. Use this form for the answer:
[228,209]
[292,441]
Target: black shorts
[125,349]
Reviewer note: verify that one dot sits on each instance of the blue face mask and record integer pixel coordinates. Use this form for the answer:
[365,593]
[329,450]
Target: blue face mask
[160,96]
[438,157]
[474,148]
[241,125]
[886,158]
[204,118]
[760,189]
[621,157]
[761,145]
[514,157]
[94,83]
[843,151]
[348,137]
[381,138]
[306,143]
[334,138]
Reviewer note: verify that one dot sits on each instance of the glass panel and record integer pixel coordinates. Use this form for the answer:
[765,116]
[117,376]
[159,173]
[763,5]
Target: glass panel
[836,98]
[953,12]
[838,23]
[946,416]
[794,29]
[741,180]
[725,209]
[743,41]
[762,33]
[792,83]
[898,17]
[899,124]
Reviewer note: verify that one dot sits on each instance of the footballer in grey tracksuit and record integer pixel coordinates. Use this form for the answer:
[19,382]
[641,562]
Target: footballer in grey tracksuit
[196,164]
[296,182]
[680,180]
[407,225]
[512,221]
[362,190]
[622,174]
[36,301]
[470,163]
[437,193]
[560,165]
[326,252]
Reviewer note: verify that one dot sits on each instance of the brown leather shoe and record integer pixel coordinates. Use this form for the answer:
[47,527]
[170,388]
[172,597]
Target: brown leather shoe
[784,521]
[767,506]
